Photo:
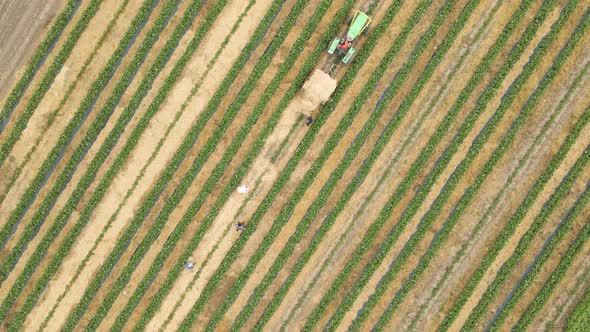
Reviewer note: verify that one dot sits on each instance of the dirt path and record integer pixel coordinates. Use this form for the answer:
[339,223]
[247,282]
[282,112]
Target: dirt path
[108,9]
[517,191]
[524,225]
[23,27]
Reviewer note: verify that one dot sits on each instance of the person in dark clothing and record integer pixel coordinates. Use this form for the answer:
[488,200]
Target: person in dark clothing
[240,226]
[308,121]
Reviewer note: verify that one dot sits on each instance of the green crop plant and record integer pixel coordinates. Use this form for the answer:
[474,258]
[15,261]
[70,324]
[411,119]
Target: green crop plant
[351,155]
[427,151]
[41,53]
[78,118]
[433,212]
[110,141]
[51,118]
[536,267]
[47,80]
[255,149]
[508,230]
[179,156]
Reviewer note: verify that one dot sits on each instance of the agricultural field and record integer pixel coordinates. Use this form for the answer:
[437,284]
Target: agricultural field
[210,165]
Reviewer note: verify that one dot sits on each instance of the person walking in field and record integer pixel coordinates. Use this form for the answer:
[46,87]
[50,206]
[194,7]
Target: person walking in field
[240,226]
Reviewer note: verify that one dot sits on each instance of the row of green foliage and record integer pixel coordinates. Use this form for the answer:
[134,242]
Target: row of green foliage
[419,164]
[470,193]
[52,233]
[47,80]
[8,264]
[53,115]
[131,142]
[515,220]
[78,118]
[203,155]
[540,260]
[507,186]
[351,153]
[37,60]
[251,154]
[283,178]
[579,320]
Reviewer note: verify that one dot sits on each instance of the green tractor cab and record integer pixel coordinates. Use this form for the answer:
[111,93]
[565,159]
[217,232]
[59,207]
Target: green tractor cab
[343,46]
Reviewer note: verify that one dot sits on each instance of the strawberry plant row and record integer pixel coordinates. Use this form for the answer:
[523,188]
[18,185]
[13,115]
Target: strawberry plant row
[40,55]
[537,265]
[178,157]
[369,161]
[47,80]
[209,147]
[52,116]
[66,137]
[31,229]
[520,213]
[542,133]
[97,195]
[252,153]
[40,215]
[419,164]
[498,153]
[289,168]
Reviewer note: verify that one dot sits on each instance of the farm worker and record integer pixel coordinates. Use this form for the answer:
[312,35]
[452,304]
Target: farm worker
[189,265]
[240,226]
[308,121]
[243,189]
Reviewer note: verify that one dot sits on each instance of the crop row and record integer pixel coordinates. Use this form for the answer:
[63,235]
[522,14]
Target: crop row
[379,145]
[332,142]
[515,220]
[118,163]
[41,53]
[507,185]
[579,320]
[52,116]
[78,118]
[47,80]
[470,193]
[41,214]
[419,164]
[540,260]
[504,272]
[562,307]
[7,265]
[252,153]
[209,147]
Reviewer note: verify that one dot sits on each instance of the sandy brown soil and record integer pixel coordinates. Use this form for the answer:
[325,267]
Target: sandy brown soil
[23,26]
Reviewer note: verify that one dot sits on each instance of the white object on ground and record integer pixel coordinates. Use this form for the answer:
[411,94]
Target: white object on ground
[243,189]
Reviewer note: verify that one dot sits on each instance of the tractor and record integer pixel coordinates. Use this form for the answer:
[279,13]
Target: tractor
[358,25]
